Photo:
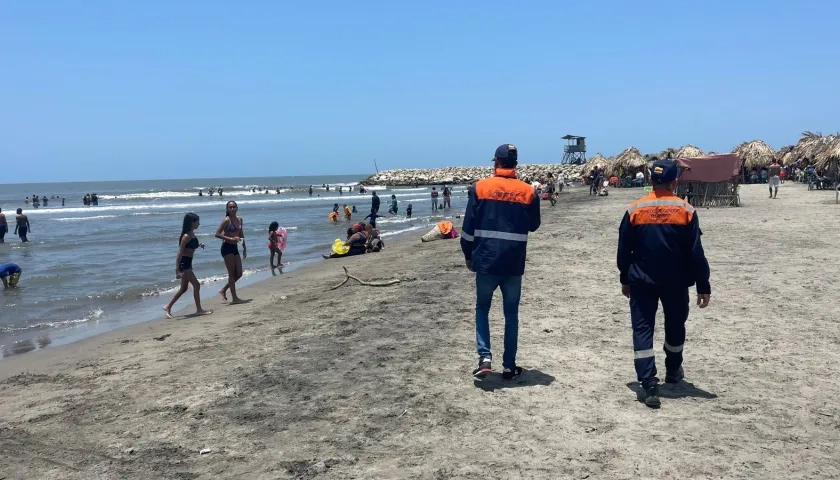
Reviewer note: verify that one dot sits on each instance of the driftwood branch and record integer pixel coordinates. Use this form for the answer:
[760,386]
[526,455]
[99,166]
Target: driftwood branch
[348,277]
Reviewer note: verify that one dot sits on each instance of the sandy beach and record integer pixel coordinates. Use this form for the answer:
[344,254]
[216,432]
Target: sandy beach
[373,383]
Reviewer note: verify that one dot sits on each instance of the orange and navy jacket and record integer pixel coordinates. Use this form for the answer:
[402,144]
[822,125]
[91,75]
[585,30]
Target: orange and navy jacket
[659,244]
[501,210]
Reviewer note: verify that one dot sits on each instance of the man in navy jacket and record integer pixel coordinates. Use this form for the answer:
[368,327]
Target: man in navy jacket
[501,211]
[660,256]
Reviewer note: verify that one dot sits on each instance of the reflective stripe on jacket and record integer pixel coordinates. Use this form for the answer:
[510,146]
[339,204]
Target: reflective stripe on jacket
[501,211]
[659,244]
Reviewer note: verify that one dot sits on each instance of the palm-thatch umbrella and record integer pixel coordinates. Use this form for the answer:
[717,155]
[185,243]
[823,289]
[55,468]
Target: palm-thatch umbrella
[823,151]
[755,154]
[688,151]
[596,160]
[631,158]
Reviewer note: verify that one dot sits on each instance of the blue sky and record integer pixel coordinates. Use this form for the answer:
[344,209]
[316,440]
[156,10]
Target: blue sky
[102,90]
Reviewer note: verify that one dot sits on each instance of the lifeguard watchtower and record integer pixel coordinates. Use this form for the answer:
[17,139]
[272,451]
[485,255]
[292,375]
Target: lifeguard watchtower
[575,151]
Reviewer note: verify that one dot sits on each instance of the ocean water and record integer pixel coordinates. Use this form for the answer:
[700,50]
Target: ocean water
[89,269]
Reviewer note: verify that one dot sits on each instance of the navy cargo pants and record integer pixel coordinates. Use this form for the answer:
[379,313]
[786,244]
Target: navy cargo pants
[644,302]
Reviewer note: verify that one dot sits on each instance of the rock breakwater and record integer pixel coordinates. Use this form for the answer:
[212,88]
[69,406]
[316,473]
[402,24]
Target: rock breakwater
[466,175]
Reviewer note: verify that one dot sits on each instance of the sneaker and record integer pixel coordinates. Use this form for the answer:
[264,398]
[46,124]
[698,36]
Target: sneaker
[675,377]
[511,373]
[484,367]
[650,396]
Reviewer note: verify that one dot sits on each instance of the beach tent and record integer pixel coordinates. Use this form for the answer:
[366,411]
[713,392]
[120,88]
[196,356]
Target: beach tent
[710,181]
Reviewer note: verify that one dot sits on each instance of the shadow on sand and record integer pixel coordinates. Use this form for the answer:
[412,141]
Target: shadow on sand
[529,378]
[677,390]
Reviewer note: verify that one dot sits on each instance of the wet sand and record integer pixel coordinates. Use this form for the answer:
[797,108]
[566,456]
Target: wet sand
[367,382]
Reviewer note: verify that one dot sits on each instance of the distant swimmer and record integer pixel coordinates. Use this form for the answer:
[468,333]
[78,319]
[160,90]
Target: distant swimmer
[374,203]
[187,244]
[22,227]
[231,232]
[276,243]
[4,226]
[408,211]
[10,275]
[354,209]
[310,190]
[333,216]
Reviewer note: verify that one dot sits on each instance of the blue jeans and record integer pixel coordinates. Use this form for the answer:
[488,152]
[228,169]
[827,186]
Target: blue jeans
[511,287]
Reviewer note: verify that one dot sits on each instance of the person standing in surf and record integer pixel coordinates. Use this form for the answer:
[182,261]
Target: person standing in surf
[22,227]
[4,226]
[187,244]
[230,231]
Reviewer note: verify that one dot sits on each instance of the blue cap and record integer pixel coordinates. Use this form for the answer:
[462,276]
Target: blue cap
[664,172]
[506,152]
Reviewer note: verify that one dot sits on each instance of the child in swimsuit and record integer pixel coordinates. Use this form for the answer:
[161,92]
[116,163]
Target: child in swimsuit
[276,243]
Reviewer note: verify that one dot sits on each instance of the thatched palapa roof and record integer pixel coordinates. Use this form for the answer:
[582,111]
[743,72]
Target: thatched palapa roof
[631,158]
[688,151]
[823,151]
[755,154]
[597,160]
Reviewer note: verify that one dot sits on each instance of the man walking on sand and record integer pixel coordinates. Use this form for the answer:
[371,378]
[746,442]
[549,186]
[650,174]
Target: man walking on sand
[659,256]
[775,178]
[501,210]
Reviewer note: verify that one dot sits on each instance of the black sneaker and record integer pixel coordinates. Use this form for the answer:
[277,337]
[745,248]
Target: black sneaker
[675,377]
[484,367]
[649,396]
[511,373]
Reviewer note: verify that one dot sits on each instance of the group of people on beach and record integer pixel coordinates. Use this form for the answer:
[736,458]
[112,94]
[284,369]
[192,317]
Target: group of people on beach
[231,232]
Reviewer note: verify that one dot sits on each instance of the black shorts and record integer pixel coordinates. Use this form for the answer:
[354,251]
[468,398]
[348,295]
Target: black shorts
[185,264]
[230,249]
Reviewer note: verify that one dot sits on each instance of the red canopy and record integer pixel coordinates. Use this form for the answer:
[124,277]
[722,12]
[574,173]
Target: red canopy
[710,168]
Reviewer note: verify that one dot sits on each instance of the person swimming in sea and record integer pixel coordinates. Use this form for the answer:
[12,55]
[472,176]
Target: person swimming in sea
[231,233]
[10,275]
[187,245]
[354,209]
[276,244]
[348,215]
[408,211]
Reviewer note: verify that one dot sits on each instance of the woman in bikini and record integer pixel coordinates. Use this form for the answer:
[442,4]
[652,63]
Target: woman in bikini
[231,233]
[187,243]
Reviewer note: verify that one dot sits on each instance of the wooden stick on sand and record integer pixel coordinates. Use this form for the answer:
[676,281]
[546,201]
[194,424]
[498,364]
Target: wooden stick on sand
[347,278]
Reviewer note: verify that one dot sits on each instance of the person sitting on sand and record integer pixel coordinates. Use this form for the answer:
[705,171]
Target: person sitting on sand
[356,243]
[187,244]
[374,243]
[10,275]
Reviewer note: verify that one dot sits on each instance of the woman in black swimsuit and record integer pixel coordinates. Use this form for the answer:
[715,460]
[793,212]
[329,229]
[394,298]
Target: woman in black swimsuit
[187,243]
[356,242]
[231,233]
